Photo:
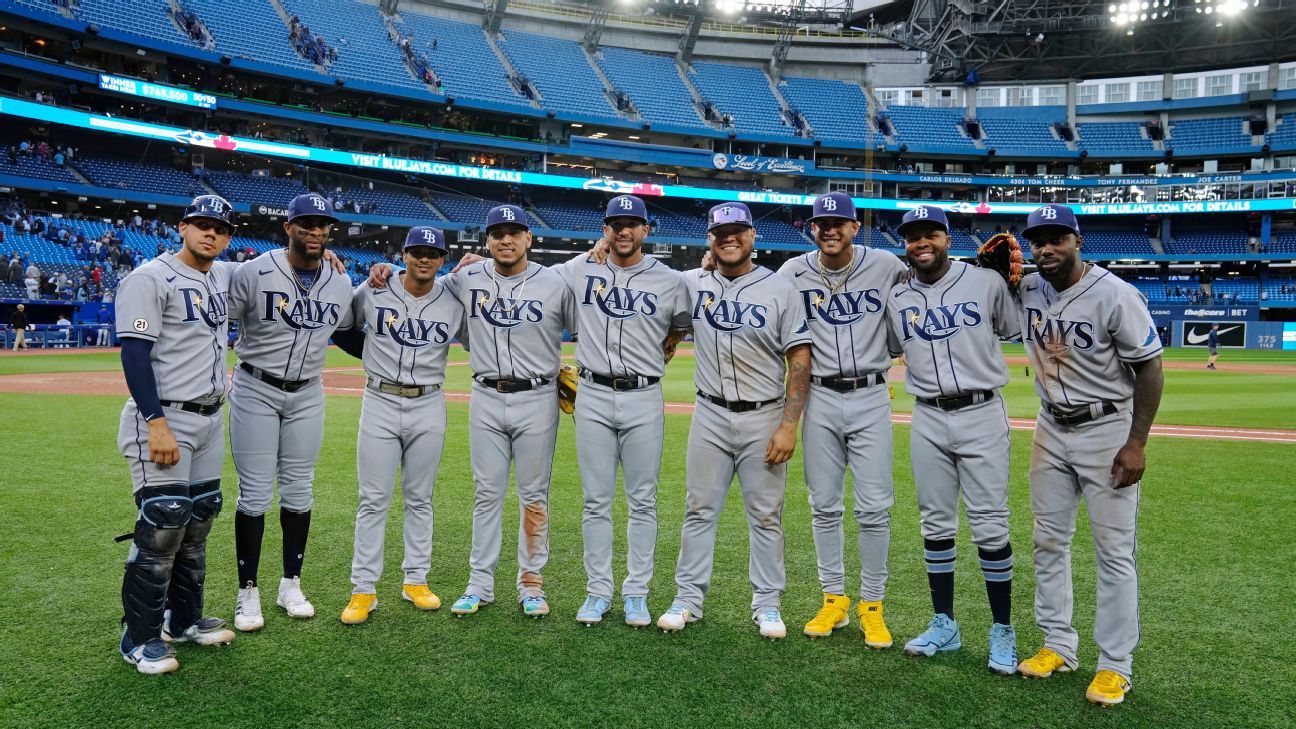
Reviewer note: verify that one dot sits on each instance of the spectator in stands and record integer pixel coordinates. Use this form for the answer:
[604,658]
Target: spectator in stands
[19,324]
[1204,279]
[125,262]
[59,159]
[25,148]
[15,275]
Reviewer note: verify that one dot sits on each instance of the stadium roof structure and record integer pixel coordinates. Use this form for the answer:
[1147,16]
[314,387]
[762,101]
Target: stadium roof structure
[1020,40]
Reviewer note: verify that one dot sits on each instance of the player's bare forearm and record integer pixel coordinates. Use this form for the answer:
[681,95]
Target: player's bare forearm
[798,384]
[673,338]
[1130,460]
[1149,380]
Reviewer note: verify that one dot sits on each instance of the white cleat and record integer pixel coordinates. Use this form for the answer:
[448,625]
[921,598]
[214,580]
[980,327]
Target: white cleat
[292,600]
[674,619]
[771,624]
[247,610]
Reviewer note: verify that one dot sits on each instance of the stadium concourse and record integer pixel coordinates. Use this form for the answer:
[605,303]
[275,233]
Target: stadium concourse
[119,120]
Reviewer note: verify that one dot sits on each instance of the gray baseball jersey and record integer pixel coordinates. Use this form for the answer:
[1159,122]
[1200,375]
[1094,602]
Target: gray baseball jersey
[193,308]
[1082,340]
[741,332]
[407,338]
[514,323]
[846,310]
[284,328]
[949,331]
[625,314]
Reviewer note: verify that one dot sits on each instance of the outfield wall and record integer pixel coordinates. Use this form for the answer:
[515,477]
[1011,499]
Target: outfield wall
[1235,334]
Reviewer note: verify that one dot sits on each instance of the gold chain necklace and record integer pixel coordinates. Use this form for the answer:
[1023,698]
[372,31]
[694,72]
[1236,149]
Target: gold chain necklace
[834,288]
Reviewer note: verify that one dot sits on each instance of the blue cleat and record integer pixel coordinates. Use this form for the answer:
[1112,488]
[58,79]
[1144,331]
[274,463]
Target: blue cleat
[154,656]
[467,604]
[942,635]
[636,612]
[536,607]
[593,610]
[1003,649]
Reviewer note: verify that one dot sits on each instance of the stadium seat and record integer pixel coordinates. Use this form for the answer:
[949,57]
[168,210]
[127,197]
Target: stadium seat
[836,110]
[921,127]
[744,94]
[559,70]
[464,62]
[653,84]
[1113,139]
[1210,136]
[357,31]
[1014,130]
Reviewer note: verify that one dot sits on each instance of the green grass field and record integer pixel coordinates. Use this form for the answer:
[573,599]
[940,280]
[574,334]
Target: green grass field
[1215,617]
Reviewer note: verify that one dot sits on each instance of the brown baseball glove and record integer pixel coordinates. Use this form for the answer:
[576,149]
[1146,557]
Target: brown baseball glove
[1003,254]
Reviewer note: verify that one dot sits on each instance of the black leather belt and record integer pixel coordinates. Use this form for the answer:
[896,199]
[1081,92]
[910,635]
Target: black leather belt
[633,382]
[509,386]
[392,388]
[737,406]
[850,384]
[208,408]
[275,382]
[1084,415]
[958,402]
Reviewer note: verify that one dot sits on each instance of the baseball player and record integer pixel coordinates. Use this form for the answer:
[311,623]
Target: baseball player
[750,336]
[516,313]
[843,291]
[630,308]
[947,321]
[172,318]
[1212,345]
[408,328]
[1097,360]
[287,305]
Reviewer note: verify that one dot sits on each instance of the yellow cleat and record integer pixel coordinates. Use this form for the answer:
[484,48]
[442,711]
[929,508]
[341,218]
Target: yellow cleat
[872,625]
[421,596]
[357,611]
[1043,664]
[833,615]
[1107,689]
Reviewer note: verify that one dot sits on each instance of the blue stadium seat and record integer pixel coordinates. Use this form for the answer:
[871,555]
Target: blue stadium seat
[148,19]
[357,31]
[742,92]
[1113,138]
[1022,130]
[250,30]
[653,83]
[927,128]
[237,187]
[1109,242]
[134,175]
[1207,241]
[1210,136]
[1283,136]
[33,166]
[464,62]
[836,110]
[559,70]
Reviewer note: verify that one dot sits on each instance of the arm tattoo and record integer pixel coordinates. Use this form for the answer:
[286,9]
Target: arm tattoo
[1148,383]
[798,383]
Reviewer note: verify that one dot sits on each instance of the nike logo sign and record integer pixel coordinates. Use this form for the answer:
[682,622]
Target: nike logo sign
[1196,337]
[799,273]
[1031,288]
[473,273]
[265,272]
[170,279]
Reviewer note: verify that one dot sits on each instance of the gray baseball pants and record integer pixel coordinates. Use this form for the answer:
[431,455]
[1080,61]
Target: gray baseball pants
[1067,463]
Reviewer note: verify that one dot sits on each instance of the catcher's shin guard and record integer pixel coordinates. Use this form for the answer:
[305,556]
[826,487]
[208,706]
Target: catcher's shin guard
[164,512]
[185,596]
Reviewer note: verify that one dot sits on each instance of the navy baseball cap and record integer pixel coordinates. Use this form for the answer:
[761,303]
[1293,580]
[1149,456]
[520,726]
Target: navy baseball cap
[1051,215]
[923,214]
[312,205]
[729,213]
[833,205]
[506,215]
[213,207]
[426,236]
[626,206]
